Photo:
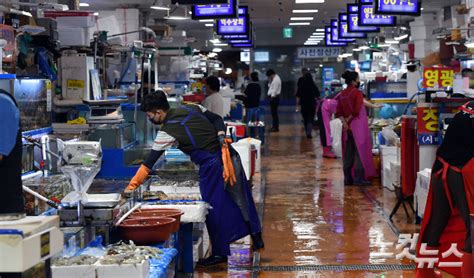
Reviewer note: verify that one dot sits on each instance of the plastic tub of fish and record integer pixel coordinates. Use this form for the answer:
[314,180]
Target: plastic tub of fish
[158,213]
[147,231]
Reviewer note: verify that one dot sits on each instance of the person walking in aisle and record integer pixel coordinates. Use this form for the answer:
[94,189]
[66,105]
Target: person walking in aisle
[357,145]
[252,103]
[274,92]
[214,101]
[306,95]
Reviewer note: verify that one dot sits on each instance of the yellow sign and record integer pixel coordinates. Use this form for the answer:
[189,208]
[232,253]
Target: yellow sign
[75,84]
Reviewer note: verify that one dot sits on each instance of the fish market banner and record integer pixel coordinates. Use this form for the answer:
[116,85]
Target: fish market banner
[398,7]
[318,52]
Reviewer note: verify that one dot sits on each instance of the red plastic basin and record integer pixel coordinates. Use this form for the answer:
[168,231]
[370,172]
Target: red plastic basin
[162,212]
[145,231]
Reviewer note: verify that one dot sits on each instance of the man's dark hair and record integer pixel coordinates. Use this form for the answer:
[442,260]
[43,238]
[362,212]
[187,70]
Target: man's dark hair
[254,76]
[155,100]
[270,72]
[214,83]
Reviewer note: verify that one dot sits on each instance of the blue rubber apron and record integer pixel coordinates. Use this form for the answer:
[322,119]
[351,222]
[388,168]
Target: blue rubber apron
[226,221]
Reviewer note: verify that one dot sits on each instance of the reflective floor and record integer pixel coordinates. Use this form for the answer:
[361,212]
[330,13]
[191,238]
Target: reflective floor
[313,225]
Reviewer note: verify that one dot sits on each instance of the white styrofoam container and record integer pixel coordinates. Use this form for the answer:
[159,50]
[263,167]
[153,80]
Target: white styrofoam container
[245,153]
[258,146]
[74,271]
[76,68]
[388,155]
[73,36]
[124,271]
[76,21]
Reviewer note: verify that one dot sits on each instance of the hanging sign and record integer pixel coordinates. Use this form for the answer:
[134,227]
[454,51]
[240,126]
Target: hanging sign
[234,26]
[398,7]
[242,45]
[438,78]
[240,41]
[353,21]
[335,33]
[198,2]
[344,29]
[328,38]
[215,11]
[367,17]
[318,52]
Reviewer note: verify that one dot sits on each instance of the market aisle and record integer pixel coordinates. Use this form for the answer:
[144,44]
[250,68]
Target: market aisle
[312,220]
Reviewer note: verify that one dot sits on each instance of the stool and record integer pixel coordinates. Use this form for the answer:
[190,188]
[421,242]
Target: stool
[401,200]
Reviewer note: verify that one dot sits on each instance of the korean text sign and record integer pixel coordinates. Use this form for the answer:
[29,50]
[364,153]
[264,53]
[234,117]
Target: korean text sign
[367,17]
[438,78]
[398,7]
[428,125]
[353,21]
[318,52]
[234,26]
[344,29]
[215,11]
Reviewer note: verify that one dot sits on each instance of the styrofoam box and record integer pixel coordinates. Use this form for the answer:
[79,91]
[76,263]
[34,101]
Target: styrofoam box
[124,271]
[70,36]
[388,154]
[245,154]
[76,21]
[74,271]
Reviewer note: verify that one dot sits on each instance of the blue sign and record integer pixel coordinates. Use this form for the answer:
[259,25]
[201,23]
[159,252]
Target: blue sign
[234,37]
[367,17]
[344,29]
[240,41]
[353,25]
[215,11]
[242,45]
[328,77]
[328,38]
[398,7]
[198,2]
[234,26]
[428,139]
[335,33]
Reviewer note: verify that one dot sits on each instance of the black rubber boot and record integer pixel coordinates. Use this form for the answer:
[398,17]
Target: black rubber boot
[360,178]
[348,180]
[212,261]
[257,242]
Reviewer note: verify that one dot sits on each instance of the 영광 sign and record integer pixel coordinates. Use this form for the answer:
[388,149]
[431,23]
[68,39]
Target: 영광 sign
[398,7]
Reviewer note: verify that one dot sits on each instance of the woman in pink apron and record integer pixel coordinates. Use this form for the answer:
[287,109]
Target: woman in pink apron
[357,145]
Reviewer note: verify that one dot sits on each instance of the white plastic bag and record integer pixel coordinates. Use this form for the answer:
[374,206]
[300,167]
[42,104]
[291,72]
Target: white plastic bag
[390,136]
[336,136]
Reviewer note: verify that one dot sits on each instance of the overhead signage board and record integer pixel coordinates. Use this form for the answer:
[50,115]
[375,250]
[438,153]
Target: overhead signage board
[240,41]
[234,26]
[318,52]
[335,33]
[398,7]
[353,21]
[344,29]
[247,36]
[215,11]
[328,38]
[199,2]
[367,17]
[243,45]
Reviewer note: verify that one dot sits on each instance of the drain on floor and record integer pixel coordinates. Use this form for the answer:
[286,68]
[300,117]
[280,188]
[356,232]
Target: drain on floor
[319,268]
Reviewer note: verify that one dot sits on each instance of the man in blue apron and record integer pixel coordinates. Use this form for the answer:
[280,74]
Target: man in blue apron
[200,134]
[11,200]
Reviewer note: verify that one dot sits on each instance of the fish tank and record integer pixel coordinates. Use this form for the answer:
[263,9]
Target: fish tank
[34,101]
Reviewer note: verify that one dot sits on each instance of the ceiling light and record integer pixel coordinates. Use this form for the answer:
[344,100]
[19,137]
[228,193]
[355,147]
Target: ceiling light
[316,36]
[96,14]
[300,23]
[311,43]
[84,5]
[214,41]
[159,6]
[228,71]
[308,1]
[320,30]
[357,49]
[221,44]
[301,18]
[217,50]
[318,33]
[391,42]
[402,37]
[304,11]
[321,65]
[209,24]
[422,8]
[384,45]
[206,20]
[364,47]
[176,17]
[346,55]
[212,55]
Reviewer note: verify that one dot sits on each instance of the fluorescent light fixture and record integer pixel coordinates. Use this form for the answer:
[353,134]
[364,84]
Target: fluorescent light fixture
[316,36]
[364,47]
[391,42]
[303,18]
[422,8]
[314,39]
[159,8]
[384,45]
[304,11]
[84,5]
[308,1]
[402,37]
[357,49]
[217,50]
[311,43]
[206,20]
[221,44]
[321,65]
[176,17]
[214,41]
[299,23]
[346,55]
[209,24]
[96,14]
[228,71]
[211,55]
[318,33]
[320,30]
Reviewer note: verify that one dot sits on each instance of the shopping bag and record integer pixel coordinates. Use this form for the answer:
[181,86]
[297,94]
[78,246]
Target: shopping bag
[336,136]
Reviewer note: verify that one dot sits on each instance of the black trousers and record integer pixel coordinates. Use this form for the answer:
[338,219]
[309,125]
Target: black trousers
[274,102]
[308,115]
[441,211]
[322,129]
[351,159]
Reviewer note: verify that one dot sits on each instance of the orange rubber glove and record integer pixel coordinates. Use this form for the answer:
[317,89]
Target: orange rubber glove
[138,179]
[229,172]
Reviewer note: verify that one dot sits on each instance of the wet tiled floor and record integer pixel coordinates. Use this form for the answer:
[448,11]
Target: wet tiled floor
[310,219]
